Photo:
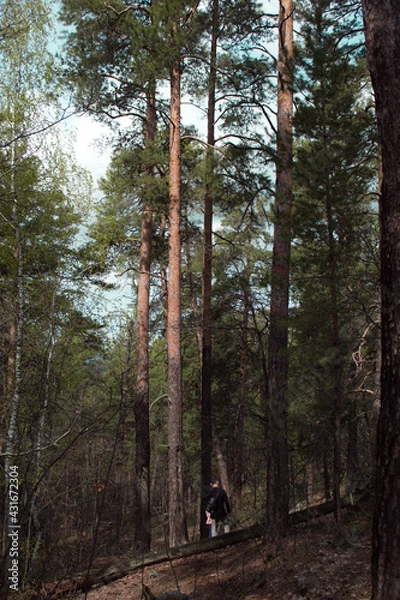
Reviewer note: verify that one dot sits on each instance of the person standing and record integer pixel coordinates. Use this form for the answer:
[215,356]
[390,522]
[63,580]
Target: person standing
[217,508]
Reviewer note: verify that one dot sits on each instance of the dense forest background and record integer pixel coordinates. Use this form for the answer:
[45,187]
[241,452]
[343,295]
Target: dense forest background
[85,423]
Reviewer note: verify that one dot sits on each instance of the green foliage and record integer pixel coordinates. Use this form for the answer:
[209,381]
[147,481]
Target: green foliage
[76,424]
[116,52]
[335,224]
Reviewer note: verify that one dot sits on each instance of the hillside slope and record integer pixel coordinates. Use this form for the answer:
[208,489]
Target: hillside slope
[316,561]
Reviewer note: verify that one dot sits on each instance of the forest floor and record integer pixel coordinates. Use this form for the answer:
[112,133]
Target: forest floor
[318,560]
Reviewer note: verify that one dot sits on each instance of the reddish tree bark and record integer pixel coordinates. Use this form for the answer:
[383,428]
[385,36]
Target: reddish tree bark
[382,32]
[142,485]
[277,453]
[177,521]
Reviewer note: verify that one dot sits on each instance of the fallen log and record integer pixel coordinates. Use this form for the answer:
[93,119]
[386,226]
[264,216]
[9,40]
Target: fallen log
[314,512]
[122,567]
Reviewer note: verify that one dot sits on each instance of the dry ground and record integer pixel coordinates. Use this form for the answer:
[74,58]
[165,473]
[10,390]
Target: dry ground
[317,561]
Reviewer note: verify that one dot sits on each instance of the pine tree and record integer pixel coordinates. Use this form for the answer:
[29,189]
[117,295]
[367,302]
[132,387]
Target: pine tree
[125,43]
[334,171]
[176,504]
[234,82]
[206,358]
[278,361]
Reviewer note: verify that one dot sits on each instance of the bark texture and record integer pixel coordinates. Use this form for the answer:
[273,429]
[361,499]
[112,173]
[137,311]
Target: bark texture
[277,453]
[177,524]
[142,496]
[382,31]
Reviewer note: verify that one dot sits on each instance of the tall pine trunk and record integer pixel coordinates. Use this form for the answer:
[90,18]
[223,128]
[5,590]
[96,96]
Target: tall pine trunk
[277,452]
[142,497]
[176,507]
[382,31]
[206,362]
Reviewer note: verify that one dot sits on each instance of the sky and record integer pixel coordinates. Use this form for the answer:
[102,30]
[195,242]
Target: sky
[93,153]
[90,153]
[91,149]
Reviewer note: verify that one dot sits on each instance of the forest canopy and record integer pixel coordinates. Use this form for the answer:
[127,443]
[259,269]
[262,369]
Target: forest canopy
[248,343]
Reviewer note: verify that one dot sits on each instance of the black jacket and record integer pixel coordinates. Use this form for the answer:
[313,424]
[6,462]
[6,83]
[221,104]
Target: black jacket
[222,506]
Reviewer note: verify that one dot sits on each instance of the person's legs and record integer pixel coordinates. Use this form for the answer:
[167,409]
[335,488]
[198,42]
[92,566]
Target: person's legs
[227,525]
[213,527]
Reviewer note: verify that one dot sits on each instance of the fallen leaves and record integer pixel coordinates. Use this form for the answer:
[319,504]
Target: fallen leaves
[318,561]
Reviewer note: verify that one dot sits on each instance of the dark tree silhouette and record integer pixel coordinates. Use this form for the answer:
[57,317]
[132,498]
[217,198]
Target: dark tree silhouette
[382,32]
